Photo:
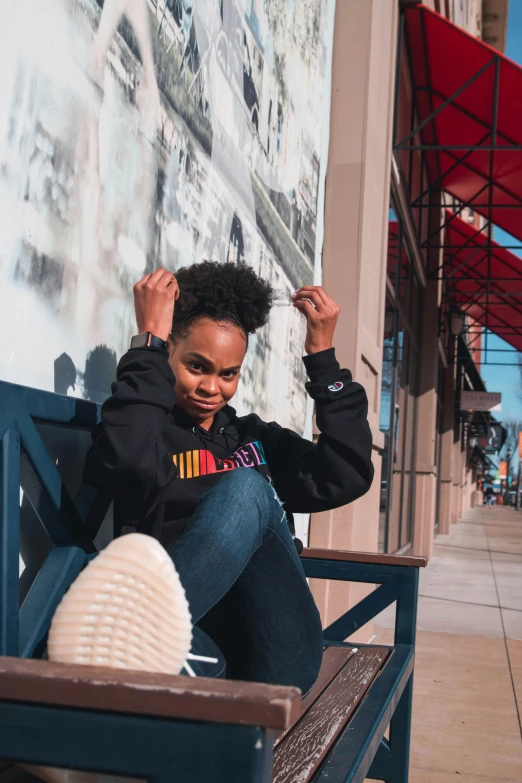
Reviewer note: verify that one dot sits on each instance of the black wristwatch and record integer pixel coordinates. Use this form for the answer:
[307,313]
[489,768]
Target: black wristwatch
[148,340]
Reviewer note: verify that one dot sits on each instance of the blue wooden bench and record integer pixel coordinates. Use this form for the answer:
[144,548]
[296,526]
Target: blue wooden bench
[161,727]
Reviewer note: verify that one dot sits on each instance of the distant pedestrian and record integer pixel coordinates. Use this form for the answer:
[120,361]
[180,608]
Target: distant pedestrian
[490,496]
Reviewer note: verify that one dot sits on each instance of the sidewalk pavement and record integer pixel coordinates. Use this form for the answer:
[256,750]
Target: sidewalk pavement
[468,675]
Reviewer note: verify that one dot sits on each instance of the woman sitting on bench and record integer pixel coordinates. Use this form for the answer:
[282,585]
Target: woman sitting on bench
[216,490]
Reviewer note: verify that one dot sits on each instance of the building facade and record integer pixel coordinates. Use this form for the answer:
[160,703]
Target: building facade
[384,208]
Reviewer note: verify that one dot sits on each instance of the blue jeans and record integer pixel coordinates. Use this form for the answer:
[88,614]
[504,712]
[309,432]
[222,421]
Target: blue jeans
[246,587]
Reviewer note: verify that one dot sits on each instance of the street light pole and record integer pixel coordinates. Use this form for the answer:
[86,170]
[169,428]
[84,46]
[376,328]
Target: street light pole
[518,485]
[508,468]
[519,477]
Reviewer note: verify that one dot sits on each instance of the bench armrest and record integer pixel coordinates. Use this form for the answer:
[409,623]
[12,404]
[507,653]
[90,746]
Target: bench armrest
[365,557]
[143,693]
[397,575]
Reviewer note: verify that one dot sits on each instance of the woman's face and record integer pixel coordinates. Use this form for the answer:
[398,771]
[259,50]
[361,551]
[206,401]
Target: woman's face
[206,364]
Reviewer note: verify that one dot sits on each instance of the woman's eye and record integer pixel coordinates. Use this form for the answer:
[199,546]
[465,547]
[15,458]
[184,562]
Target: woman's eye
[229,375]
[195,366]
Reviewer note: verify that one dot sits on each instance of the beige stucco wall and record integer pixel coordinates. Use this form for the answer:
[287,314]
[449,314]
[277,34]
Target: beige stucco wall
[354,256]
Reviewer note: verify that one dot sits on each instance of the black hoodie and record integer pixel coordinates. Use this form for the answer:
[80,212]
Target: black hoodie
[157,463]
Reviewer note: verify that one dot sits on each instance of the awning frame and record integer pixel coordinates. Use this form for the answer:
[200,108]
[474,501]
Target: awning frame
[488,289]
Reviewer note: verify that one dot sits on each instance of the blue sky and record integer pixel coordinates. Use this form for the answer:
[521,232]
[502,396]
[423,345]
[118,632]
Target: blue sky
[507,379]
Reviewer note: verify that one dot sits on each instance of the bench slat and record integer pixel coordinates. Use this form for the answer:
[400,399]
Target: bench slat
[144,693]
[303,749]
[334,658]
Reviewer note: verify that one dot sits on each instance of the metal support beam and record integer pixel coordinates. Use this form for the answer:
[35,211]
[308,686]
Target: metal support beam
[402,144]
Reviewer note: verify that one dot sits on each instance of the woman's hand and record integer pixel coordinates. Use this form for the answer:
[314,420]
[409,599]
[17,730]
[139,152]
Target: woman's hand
[154,299]
[321,313]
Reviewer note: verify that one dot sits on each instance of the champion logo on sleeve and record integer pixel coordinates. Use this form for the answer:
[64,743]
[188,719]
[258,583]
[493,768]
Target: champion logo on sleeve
[337,386]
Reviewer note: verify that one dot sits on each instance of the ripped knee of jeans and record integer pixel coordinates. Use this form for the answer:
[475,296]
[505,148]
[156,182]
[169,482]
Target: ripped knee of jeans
[276,496]
[297,542]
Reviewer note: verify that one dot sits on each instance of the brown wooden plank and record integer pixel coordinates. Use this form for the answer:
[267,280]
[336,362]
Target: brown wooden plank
[303,749]
[144,693]
[365,557]
[334,658]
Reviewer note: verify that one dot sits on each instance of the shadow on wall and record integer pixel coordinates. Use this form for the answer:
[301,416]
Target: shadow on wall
[97,377]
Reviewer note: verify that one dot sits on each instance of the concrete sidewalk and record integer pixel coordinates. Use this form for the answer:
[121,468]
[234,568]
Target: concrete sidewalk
[468,676]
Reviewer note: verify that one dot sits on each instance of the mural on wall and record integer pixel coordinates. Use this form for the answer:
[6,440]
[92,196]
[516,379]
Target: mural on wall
[144,133]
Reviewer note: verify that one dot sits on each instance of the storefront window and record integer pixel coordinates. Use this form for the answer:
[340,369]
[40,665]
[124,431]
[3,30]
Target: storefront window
[399,398]
[387,406]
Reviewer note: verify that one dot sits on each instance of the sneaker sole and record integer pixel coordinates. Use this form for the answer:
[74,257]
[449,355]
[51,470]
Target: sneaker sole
[126,610]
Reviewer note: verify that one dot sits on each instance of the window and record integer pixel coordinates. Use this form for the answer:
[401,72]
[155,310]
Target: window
[399,390]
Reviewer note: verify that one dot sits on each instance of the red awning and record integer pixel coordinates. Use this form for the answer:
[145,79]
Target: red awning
[487,285]
[469,116]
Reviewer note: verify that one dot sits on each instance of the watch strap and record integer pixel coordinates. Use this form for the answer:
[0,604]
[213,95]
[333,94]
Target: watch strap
[148,340]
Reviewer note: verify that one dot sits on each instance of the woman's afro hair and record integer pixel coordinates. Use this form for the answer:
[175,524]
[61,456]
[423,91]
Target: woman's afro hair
[222,292]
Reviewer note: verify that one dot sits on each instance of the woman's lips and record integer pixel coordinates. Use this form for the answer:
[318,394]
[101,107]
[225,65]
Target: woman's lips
[205,406]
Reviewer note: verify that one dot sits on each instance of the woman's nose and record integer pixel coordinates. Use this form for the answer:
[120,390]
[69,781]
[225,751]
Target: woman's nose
[209,387]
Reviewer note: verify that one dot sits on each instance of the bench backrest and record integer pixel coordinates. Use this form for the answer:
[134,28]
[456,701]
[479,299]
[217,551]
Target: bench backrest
[48,517]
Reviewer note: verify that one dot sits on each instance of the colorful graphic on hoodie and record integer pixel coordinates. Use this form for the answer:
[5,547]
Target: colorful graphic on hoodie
[200,462]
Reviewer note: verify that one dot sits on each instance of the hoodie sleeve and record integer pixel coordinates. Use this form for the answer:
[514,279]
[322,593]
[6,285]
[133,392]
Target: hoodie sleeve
[128,451]
[337,469]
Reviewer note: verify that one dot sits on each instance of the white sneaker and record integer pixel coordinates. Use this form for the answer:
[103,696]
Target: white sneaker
[128,610]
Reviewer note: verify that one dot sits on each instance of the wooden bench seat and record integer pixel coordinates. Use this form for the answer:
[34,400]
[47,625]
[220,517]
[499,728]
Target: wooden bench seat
[325,713]
[163,728]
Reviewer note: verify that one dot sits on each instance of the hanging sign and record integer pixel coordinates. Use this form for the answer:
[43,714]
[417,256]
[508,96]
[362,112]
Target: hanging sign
[480,401]
[494,438]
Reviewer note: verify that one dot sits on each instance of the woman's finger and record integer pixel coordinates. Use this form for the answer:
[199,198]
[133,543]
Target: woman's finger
[142,282]
[306,308]
[317,288]
[166,279]
[327,300]
[173,285]
[313,296]
[311,293]
[155,277]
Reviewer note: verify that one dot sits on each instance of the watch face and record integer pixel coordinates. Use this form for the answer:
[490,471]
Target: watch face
[140,340]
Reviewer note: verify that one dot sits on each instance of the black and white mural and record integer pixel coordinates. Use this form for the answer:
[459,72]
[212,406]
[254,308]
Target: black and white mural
[145,133]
